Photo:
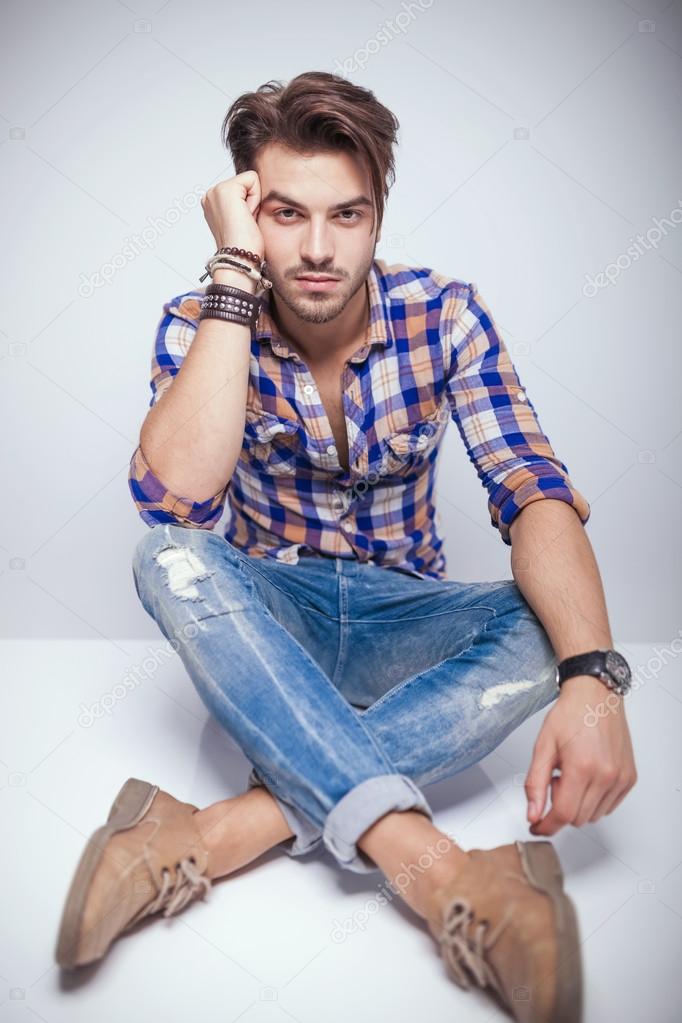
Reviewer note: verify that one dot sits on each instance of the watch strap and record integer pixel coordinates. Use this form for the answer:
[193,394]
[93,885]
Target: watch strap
[591,663]
[607,665]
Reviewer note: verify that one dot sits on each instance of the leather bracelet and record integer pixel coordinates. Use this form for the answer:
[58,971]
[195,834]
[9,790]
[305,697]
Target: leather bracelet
[227,262]
[218,309]
[214,314]
[223,301]
[216,288]
[250,271]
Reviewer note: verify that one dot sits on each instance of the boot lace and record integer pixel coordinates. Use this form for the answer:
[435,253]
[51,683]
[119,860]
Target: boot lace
[189,882]
[465,941]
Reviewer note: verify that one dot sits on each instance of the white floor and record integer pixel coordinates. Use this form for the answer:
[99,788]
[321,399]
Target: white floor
[263,947]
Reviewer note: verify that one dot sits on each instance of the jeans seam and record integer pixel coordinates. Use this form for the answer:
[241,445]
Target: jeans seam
[342,603]
[396,690]
[247,567]
[390,768]
[415,618]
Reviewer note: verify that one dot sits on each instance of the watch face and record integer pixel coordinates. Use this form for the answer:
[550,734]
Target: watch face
[618,667]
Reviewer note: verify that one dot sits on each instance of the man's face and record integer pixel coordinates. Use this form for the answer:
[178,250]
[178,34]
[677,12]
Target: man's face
[303,233]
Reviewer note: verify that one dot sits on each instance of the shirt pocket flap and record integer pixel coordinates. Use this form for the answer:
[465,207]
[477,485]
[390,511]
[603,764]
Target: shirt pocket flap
[261,427]
[421,436]
[271,443]
[408,442]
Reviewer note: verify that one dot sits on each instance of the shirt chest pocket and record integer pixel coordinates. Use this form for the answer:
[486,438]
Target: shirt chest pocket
[271,443]
[406,450]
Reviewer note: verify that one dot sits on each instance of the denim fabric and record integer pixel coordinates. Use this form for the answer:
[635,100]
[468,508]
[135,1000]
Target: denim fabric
[347,686]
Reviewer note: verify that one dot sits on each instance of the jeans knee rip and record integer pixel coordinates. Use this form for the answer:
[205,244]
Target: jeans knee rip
[183,570]
[494,694]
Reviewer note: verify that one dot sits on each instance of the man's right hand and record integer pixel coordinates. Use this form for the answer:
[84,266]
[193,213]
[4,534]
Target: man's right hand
[230,209]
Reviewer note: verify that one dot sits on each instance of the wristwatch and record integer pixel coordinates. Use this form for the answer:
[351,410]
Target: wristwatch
[608,665]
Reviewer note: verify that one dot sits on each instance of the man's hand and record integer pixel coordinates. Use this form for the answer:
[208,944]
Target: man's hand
[231,210]
[585,734]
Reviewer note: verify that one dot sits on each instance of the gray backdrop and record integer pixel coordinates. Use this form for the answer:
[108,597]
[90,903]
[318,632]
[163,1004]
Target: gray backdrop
[539,157]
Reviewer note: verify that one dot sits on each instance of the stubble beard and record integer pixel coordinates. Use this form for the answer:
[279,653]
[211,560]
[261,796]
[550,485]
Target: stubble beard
[316,307]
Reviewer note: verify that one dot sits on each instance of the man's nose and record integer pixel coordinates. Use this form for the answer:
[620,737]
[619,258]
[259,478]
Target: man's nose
[317,247]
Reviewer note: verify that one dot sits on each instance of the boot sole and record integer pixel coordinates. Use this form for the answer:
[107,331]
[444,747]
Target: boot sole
[130,805]
[543,869]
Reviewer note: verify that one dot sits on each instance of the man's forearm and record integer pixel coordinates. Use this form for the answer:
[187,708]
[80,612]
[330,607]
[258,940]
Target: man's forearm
[192,436]
[555,569]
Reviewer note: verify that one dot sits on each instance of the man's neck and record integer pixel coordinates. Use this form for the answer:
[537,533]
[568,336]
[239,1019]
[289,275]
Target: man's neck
[321,344]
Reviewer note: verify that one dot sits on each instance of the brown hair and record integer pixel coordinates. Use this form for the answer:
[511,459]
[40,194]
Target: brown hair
[317,111]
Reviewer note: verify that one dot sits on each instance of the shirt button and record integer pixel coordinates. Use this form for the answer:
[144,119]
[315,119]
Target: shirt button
[521,396]
[308,389]
[331,449]
[347,525]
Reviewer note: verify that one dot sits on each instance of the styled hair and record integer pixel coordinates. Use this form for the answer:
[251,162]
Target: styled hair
[315,112]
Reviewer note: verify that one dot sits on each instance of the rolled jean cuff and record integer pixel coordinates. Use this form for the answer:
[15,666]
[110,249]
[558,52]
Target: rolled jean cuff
[307,835]
[363,806]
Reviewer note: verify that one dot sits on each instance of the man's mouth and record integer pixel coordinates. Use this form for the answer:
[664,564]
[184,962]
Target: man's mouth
[317,283]
[316,277]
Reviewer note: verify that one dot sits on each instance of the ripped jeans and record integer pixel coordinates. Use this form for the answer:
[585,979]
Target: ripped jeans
[347,686]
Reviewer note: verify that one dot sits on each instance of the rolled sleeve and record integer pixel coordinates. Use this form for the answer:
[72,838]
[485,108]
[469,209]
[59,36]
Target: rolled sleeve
[175,332]
[155,503]
[497,421]
[525,486]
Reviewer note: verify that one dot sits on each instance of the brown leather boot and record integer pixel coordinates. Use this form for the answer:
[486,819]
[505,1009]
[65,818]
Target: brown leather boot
[507,924]
[147,857]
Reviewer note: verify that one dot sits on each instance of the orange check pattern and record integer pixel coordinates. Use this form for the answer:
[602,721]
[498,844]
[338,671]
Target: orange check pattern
[432,353]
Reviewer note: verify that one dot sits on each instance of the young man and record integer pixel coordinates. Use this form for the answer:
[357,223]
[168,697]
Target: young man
[321,631]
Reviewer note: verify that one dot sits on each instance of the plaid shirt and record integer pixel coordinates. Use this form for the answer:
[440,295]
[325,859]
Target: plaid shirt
[431,353]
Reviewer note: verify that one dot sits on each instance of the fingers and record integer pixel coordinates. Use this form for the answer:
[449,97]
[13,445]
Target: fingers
[566,797]
[591,800]
[580,798]
[614,797]
[538,779]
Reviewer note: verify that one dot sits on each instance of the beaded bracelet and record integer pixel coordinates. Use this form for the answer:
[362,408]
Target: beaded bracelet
[246,253]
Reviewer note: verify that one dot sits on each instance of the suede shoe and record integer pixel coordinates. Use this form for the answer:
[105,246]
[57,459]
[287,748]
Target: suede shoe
[506,924]
[149,856]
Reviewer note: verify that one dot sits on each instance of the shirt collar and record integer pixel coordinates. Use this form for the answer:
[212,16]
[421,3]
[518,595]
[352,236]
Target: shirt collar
[378,329]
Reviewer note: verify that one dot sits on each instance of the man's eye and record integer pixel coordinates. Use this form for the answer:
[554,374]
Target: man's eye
[352,214]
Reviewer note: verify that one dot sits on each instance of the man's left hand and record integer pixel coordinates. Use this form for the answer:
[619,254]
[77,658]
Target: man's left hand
[586,736]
